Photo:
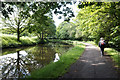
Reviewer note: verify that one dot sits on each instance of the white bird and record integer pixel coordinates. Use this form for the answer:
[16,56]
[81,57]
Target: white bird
[56,57]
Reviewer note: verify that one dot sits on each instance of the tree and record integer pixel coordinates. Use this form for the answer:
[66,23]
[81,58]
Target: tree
[41,23]
[36,8]
[66,30]
[45,7]
[101,19]
[42,28]
[18,20]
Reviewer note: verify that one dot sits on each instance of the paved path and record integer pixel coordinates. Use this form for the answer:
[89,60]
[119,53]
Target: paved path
[92,65]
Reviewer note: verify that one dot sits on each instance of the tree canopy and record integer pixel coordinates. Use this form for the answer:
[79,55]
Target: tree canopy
[101,21]
[95,20]
[30,12]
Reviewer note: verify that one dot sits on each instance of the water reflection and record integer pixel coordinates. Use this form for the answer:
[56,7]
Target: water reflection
[22,62]
[13,65]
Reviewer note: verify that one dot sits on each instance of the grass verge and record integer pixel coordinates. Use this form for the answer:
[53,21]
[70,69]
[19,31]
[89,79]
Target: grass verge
[56,69]
[115,55]
[11,41]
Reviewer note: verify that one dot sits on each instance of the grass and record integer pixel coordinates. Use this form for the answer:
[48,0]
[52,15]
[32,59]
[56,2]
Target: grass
[56,69]
[11,41]
[91,42]
[115,55]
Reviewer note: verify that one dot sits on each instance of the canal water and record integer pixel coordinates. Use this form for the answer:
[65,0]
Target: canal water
[20,62]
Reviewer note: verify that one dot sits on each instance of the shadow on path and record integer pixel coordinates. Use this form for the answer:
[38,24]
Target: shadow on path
[108,55]
[92,65]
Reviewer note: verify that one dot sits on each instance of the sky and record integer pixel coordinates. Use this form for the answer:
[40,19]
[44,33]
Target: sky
[58,21]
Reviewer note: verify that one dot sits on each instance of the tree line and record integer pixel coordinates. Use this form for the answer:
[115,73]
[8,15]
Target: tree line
[32,17]
[94,20]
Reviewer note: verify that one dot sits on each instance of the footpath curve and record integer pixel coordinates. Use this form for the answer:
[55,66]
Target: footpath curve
[92,65]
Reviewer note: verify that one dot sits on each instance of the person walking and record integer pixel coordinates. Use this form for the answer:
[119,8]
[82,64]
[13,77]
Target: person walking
[102,46]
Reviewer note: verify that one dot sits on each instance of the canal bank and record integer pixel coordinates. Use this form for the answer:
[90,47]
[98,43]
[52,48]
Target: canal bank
[22,58]
[57,69]
[10,41]
[20,62]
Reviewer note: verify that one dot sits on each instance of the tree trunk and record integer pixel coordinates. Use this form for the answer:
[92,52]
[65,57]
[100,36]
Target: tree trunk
[42,35]
[18,30]
[18,34]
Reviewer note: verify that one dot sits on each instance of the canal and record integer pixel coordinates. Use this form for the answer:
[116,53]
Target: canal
[20,62]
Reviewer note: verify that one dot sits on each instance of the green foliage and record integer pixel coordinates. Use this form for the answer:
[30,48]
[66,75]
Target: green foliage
[54,70]
[11,41]
[94,20]
[101,21]
[27,40]
[18,19]
[35,7]
[36,13]
[66,30]
[43,29]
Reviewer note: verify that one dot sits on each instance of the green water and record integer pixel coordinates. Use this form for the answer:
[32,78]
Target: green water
[20,62]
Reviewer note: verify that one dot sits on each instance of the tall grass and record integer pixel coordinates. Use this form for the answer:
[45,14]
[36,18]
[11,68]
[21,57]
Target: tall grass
[11,41]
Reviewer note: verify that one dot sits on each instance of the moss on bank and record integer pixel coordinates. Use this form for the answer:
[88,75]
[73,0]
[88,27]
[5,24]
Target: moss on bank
[56,69]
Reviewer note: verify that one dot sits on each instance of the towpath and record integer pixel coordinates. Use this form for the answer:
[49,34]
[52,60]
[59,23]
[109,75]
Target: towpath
[92,65]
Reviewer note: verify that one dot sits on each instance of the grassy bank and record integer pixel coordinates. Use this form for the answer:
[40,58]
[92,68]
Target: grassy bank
[56,69]
[115,55]
[11,41]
